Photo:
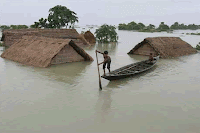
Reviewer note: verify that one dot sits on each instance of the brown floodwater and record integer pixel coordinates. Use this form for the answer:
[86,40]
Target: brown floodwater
[66,98]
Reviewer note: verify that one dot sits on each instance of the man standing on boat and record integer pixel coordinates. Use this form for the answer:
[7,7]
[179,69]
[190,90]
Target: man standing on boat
[107,60]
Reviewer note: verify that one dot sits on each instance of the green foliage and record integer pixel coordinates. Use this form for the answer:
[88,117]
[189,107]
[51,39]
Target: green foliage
[195,33]
[192,33]
[18,26]
[198,46]
[163,27]
[2,27]
[59,16]
[106,33]
[175,26]
[183,26]
[141,26]
[131,26]
[178,26]
[1,44]
[41,24]
[151,26]
[14,27]
[35,25]
[122,27]
[193,27]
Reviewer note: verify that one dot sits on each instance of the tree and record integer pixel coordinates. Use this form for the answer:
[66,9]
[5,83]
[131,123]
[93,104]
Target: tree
[41,24]
[193,26]
[23,27]
[141,26]
[13,26]
[132,26]
[198,46]
[61,16]
[122,27]
[175,26]
[4,27]
[106,33]
[18,26]
[151,26]
[35,25]
[183,26]
[163,26]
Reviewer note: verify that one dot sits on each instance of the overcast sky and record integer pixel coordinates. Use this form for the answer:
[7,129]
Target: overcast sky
[104,11]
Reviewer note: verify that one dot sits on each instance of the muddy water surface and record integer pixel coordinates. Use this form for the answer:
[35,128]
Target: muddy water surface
[66,98]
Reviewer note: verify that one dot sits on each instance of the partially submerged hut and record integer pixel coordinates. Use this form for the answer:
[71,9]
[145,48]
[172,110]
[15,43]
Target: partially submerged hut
[165,46]
[89,37]
[43,51]
[11,36]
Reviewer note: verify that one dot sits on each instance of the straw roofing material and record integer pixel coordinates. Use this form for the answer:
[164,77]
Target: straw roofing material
[41,51]
[12,35]
[165,46]
[89,37]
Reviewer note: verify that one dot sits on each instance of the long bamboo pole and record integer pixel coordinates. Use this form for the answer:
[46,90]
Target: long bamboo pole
[98,73]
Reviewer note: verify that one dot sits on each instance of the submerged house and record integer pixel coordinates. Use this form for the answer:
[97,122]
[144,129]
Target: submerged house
[89,37]
[165,46]
[11,36]
[43,51]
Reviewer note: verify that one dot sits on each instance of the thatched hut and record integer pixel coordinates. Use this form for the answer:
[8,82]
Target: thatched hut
[10,36]
[43,51]
[165,46]
[89,37]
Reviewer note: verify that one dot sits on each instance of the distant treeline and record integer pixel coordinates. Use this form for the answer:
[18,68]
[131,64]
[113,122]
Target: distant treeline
[2,27]
[162,27]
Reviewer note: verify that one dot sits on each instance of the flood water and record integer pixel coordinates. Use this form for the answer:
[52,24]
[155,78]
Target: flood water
[66,98]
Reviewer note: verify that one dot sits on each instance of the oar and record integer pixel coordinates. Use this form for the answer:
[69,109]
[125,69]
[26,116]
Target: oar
[98,73]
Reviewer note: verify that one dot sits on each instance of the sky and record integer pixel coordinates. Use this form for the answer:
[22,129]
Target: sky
[98,12]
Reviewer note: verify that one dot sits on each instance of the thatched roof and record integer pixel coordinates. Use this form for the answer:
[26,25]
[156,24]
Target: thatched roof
[39,51]
[89,37]
[10,36]
[60,33]
[167,46]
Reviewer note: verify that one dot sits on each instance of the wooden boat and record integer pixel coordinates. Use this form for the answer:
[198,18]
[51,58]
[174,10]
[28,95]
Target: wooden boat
[131,69]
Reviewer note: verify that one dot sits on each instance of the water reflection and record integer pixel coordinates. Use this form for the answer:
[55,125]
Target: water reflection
[118,83]
[103,105]
[68,73]
[138,58]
